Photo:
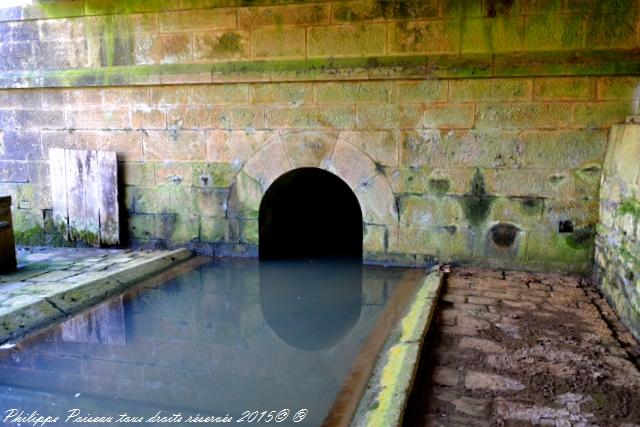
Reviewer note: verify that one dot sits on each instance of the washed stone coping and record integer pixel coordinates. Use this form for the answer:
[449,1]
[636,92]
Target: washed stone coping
[48,303]
[390,385]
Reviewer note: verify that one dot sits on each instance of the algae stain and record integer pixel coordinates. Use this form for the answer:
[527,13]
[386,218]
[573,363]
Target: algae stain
[439,185]
[581,238]
[228,44]
[531,205]
[477,203]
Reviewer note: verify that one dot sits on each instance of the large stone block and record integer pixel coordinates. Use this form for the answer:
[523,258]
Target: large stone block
[197,20]
[213,174]
[421,91]
[235,147]
[564,149]
[164,96]
[126,144]
[524,212]
[496,34]
[147,118]
[136,173]
[388,116]
[337,117]
[352,40]
[221,46]
[20,145]
[28,99]
[278,42]
[374,239]
[430,211]
[174,145]
[617,88]
[600,114]
[210,201]
[564,88]
[171,173]
[197,117]
[120,96]
[441,36]
[490,90]
[350,164]
[445,243]
[526,183]
[312,14]
[268,164]
[282,93]
[176,48]
[377,202]
[381,146]
[348,92]
[212,229]
[219,94]
[97,119]
[308,148]
[38,119]
[551,249]
[372,10]
[523,116]
[612,30]
[553,32]
[11,171]
[450,116]
[77,140]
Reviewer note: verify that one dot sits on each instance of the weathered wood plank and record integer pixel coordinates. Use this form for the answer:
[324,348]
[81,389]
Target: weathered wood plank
[76,183]
[58,175]
[109,210]
[92,198]
[7,244]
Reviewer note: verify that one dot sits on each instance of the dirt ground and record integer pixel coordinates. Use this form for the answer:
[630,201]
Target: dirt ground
[520,349]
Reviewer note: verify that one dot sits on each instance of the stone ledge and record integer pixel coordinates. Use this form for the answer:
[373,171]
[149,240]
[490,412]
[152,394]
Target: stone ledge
[540,64]
[37,311]
[390,385]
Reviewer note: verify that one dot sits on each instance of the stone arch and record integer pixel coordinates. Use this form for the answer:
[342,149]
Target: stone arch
[295,149]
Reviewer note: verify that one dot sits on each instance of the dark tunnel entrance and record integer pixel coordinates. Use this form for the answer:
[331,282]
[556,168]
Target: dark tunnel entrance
[309,213]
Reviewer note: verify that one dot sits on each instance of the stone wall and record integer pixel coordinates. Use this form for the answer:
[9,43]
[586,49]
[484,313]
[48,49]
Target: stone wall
[469,130]
[618,239]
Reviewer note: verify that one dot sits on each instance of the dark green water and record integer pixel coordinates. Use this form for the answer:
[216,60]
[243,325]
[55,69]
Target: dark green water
[229,338]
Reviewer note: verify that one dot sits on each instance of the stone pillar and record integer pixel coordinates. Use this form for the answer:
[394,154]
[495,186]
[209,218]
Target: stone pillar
[618,236]
[7,244]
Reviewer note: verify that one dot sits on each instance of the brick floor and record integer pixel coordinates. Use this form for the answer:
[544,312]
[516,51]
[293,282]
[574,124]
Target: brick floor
[526,349]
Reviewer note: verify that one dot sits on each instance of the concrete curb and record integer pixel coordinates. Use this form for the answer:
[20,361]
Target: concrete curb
[37,315]
[390,385]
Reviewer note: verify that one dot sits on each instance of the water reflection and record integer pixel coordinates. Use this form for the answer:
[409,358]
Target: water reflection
[223,338]
[103,325]
[311,305]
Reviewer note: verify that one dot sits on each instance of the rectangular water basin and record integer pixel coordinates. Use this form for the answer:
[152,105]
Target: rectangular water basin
[216,338]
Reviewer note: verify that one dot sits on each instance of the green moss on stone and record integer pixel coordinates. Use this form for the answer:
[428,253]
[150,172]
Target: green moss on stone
[630,207]
[34,236]
[477,203]
[581,238]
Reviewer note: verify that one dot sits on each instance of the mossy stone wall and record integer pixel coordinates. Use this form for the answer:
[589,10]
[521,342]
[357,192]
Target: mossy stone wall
[478,128]
[618,239]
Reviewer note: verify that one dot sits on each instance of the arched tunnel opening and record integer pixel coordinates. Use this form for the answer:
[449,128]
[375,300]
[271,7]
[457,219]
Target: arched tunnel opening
[311,248]
[309,213]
